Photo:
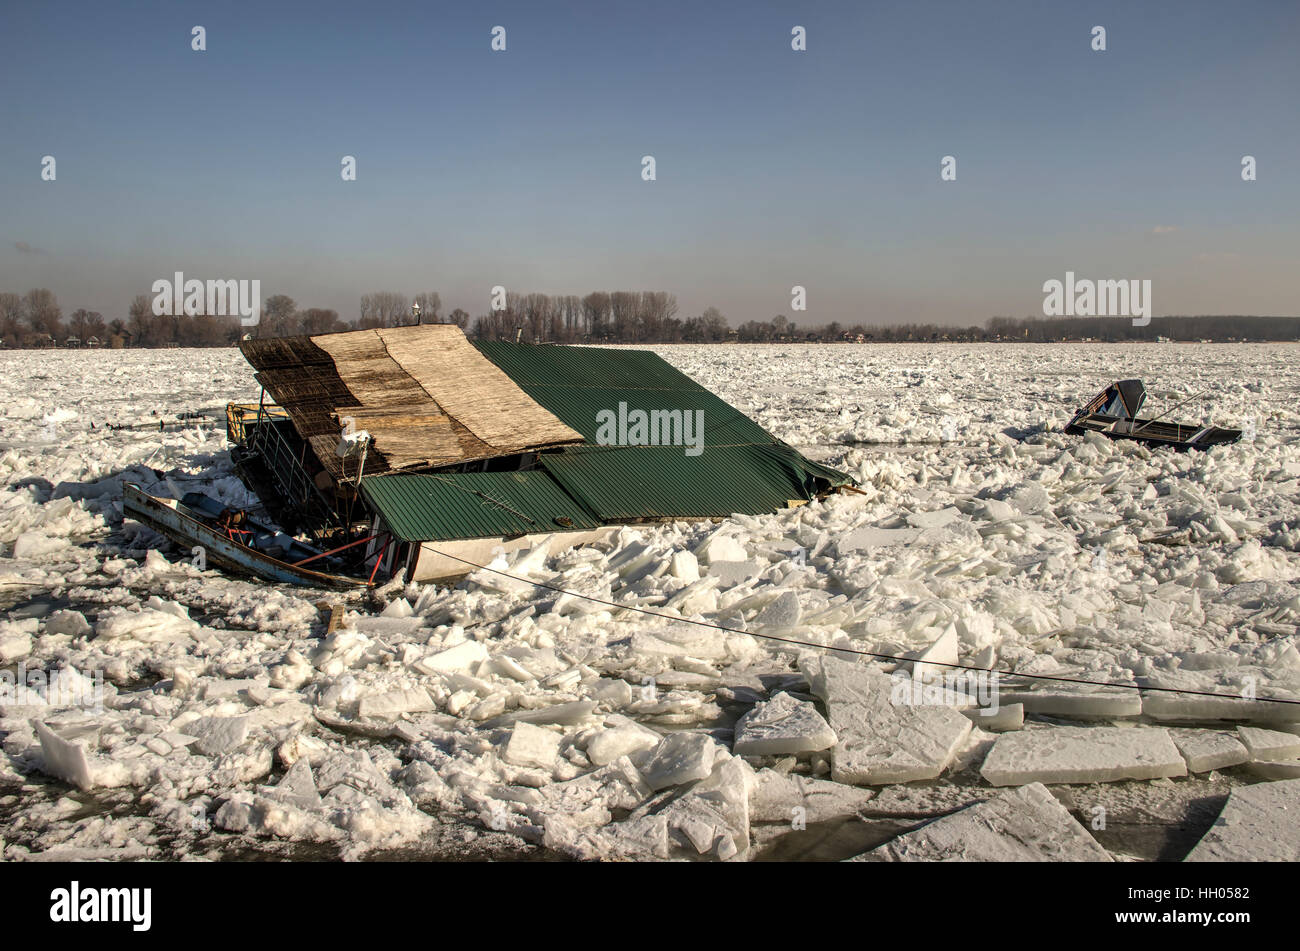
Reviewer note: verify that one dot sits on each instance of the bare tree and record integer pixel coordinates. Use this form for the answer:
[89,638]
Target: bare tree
[279,317]
[85,324]
[11,316]
[595,313]
[317,320]
[43,313]
[624,306]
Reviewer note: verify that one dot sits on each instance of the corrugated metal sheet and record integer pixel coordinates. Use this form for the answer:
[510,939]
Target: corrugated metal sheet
[437,507]
[741,468]
[578,383]
[620,483]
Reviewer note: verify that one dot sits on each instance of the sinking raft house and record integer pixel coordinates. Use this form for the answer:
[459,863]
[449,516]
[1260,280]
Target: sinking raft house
[452,449]
[1114,413]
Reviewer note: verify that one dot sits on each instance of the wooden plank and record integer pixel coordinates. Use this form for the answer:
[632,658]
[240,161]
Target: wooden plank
[473,390]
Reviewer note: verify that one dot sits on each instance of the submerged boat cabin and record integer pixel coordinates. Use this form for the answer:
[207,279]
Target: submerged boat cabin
[440,449]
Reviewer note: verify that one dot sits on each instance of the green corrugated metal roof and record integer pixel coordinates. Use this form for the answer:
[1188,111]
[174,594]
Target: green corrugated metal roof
[437,507]
[578,383]
[618,483]
[741,468]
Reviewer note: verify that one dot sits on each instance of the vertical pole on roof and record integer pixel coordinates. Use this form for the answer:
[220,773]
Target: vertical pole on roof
[361,469]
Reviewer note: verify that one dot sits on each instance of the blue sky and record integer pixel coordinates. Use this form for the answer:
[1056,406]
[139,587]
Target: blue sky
[775,167]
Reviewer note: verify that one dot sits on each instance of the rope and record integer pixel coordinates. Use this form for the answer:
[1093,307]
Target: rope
[851,650]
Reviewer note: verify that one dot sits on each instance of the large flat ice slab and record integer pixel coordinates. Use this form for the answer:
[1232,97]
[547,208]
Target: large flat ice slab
[1077,700]
[1258,824]
[782,725]
[1184,707]
[532,746]
[862,539]
[1067,754]
[1019,825]
[393,704]
[880,740]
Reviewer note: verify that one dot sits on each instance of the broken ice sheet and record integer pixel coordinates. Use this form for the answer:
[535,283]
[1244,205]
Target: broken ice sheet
[532,746]
[1176,707]
[1267,746]
[64,760]
[1020,825]
[1205,750]
[782,725]
[1258,824]
[1077,700]
[679,758]
[879,740]
[782,797]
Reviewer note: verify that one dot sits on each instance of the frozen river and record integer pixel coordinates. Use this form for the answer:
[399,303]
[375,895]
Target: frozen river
[497,718]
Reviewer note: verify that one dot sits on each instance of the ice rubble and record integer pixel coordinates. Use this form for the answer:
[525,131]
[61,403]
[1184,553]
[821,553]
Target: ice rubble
[510,709]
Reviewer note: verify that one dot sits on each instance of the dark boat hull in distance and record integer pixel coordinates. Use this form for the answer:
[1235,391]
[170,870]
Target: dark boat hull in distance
[185,527]
[1114,413]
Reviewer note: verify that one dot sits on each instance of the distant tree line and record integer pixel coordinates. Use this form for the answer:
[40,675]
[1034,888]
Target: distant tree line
[35,319]
[1118,329]
[599,317]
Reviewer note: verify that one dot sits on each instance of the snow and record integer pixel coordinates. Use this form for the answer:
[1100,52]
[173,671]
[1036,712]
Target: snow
[1007,545]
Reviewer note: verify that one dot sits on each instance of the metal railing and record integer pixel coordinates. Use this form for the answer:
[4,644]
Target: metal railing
[238,415]
[257,429]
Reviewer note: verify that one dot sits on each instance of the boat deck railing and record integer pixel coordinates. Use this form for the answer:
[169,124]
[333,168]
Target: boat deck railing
[259,430]
[239,415]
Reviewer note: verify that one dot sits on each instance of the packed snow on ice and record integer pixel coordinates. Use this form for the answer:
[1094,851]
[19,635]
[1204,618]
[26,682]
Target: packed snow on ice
[154,707]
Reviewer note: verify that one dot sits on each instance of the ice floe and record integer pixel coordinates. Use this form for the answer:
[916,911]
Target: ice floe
[1021,825]
[1082,755]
